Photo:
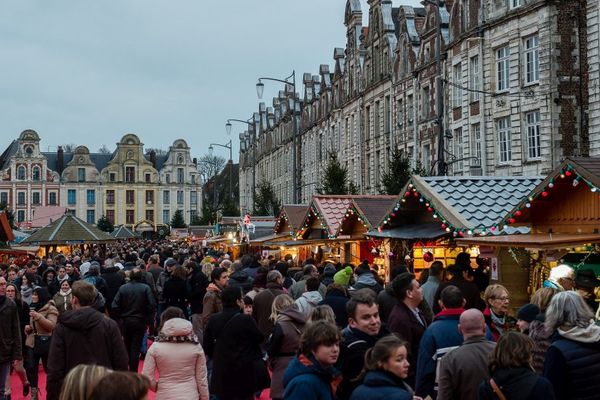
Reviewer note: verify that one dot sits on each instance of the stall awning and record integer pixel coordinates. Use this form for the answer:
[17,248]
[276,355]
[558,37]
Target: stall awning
[532,241]
[307,242]
[270,238]
[407,232]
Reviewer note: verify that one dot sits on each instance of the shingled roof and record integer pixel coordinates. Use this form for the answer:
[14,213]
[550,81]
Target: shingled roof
[294,213]
[68,229]
[123,232]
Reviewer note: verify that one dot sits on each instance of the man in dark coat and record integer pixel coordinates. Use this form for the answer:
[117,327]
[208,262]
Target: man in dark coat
[406,319]
[197,283]
[10,345]
[232,341]
[240,278]
[83,336]
[363,331]
[470,291]
[263,301]
[114,279]
[336,297]
[134,303]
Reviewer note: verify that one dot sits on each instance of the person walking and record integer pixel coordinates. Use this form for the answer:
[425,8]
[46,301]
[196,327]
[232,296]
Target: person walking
[12,293]
[83,336]
[42,321]
[459,277]
[436,275]
[310,298]
[134,304]
[299,288]
[386,368]
[10,345]
[537,330]
[337,297]
[179,359]
[197,283]
[262,304]
[62,299]
[212,304]
[572,361]
[175,290]
[511,375]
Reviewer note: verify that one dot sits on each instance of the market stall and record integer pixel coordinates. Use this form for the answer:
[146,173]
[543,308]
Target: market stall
[123,232]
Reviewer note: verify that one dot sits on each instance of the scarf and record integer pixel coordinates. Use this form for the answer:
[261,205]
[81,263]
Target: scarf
[64,295]
[499,321]
[589,334]
[191,338]
[26,293]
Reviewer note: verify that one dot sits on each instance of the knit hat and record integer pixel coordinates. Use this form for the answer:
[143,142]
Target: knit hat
[329,270]
[170,261]
[343,276]
[528,312]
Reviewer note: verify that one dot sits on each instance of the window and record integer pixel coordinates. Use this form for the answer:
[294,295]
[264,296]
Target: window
[110,197]
[129,174]
[410,112]
[193,215]
[3,198]
[21,198]
[426,161]
[504,149]
[90,216]
[166,216]
[425,108]
[36,198]
[166,197]
[458,150]
[80,174]
[457,85]
[193,179]
[180,179]
[52,200]
[36,174]
[368,121]
[377,167]
[193,197]
[112,177]
[377,118]
[475,78]
[150,215]
[110,215]
[168,178]
[532,59]
[91,197]
[129,197]
[387,115]
[21,216]
[502,68]
[476,141]
[514,3]
[149,196]
[21,173]
[534,147]
[71,197]
[180,197]
[129,216]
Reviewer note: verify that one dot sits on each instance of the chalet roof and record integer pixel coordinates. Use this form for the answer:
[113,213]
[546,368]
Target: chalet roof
[68,229]
[123,232]
[295,216]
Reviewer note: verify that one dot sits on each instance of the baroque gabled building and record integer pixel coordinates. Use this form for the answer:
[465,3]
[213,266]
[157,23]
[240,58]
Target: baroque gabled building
[128,186]
[492,87]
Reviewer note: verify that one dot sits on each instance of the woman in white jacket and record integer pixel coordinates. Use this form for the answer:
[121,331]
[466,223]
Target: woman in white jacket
[179,359]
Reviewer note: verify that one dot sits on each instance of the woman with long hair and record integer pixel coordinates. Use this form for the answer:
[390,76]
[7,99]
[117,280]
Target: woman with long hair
[180,361]
[175,289]
[42,320]
[511,373]
[62,299]
[123,386]
[285,339]
[27,285]
[497,300]
[537,330]
[13,293]
[386,367]
[81,381]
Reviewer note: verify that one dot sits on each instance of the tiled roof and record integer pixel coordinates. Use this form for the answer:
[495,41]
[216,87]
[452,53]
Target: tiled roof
[8,153]
[475,201]
[332,209]
[295,214]
[123,232]
[588,166]
[66,230]
[374,209]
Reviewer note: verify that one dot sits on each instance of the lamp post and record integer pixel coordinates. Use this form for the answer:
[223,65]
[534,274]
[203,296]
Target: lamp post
[227,145]
[246,137]
[259,91]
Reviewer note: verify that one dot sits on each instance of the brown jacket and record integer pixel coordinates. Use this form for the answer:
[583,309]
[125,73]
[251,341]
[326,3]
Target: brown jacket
[44,325]
[211,304]
[463,369]
[261,309]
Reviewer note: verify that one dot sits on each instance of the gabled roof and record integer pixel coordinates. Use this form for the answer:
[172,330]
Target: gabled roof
[467,202]
[123,232]
[294,214]
[10,151]
[373,209]
[68,229]
[329,209]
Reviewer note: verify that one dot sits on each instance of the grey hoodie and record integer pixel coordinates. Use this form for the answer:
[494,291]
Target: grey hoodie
[308,301]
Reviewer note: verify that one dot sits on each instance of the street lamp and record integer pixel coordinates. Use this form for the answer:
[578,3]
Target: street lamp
[246,137]
[227,145]
[260,86]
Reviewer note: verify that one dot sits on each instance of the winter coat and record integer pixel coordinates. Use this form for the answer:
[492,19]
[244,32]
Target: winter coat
[510,324]
[174,294]
[62,300]
[469,290]
[308,301]
[181,365]
[155,270]
[211,304]
[44,324]
[197,283]
[10,331]
[337,301]
[134,301]
[517,384]
[405,323]
[464,368]
[83,336]
[429,288]
[232,340]
[541,342]
[439,338]
[242,280]
[327,276]
[387,300]
[572,363]
[283,346]
[367,280]
[355,344]
[298,288]
[160,284]
[261,308]
[382,385]
[114,279]
[26,293]
[305,379]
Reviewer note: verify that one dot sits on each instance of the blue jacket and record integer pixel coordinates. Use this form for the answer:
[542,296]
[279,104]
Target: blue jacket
[381,385]
[305,379]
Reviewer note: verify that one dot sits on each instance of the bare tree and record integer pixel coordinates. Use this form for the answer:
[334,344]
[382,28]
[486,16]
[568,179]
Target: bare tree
[159,152]
[210,165]
[69,147]
[104,150]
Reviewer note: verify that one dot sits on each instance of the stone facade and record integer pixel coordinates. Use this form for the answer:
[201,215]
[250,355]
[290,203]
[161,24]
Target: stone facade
[512,78]
[128,186]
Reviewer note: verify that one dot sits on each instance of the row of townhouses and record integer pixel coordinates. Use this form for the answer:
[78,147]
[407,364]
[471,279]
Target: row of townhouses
[127,186]
[493,87]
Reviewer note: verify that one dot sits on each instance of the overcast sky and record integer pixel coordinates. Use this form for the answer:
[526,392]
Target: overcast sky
[88,72]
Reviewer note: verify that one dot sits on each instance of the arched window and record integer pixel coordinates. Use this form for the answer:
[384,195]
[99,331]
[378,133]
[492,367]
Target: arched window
[36,174]
[21,173]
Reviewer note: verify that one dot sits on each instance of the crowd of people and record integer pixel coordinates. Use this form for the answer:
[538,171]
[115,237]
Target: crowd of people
[209,327]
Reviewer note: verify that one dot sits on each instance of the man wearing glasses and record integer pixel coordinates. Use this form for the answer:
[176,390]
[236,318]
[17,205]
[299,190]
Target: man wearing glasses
[562,277]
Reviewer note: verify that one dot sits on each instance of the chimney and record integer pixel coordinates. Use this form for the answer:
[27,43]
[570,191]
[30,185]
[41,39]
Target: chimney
[60,160]
[152,156]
